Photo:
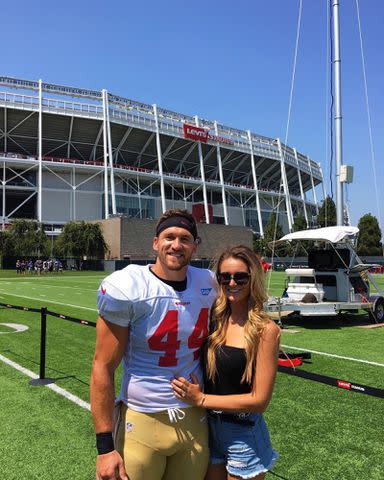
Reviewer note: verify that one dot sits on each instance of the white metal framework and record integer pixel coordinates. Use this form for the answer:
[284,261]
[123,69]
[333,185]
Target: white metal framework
[72,154]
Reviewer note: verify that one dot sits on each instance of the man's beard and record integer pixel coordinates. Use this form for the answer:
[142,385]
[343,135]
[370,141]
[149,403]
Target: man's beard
[182,263]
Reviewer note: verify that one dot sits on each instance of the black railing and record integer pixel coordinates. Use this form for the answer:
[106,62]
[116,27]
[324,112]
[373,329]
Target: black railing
[43,380]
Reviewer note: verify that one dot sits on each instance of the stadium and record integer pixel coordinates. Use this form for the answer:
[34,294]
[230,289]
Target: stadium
[78,154]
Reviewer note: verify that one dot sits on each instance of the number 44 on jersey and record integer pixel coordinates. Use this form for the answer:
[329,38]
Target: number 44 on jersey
[165,338]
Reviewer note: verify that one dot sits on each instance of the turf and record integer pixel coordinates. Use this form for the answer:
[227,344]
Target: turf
[43,435]
[321,432]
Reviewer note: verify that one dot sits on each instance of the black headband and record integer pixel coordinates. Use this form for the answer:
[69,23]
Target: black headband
[177,221]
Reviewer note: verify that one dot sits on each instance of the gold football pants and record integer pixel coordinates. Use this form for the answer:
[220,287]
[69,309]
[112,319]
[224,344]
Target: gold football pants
[154,448]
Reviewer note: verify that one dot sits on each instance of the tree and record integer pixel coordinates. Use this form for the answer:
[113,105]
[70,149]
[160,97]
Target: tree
[79,239]
[299,249]
[299,223]
[369,240]
[3,243]
[68,242]
[269,231]
[95,245]
[3,246]
[26,238]
[259,245]
[327,213]
[273,231]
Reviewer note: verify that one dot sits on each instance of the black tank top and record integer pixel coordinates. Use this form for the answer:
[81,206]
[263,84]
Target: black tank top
[230,364]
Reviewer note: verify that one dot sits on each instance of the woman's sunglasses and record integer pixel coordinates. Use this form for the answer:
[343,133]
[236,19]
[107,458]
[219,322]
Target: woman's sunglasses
[240,278]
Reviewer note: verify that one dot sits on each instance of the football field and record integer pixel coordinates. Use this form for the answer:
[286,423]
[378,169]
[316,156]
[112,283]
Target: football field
[320,431]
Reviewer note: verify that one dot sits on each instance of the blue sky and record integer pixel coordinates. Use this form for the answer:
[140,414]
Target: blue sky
[222,60]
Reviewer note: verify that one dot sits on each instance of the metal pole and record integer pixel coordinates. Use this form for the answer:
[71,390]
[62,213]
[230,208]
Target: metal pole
[139,195]
[40,154]
[242,208]
[338,114]
[43,340]
[4,174]
[202,174]
[313,186]
[301,187]
[4,183]
[255,186]
[112,176]
[285,186]
[280,323]
[5,131]
[159,159]
[221,176]
[69,138]
[184,197]
[73,194]
[323,185]
[106,199]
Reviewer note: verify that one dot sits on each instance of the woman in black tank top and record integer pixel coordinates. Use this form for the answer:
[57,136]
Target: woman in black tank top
[240,362]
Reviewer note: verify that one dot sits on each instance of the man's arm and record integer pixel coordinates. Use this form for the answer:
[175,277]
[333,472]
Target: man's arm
[111,341]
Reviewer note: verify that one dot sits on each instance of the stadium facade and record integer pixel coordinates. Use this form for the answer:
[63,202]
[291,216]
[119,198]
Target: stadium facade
[77,154]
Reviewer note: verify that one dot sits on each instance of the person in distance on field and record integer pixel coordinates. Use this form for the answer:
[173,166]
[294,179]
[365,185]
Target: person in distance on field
[155,318]
[240,356]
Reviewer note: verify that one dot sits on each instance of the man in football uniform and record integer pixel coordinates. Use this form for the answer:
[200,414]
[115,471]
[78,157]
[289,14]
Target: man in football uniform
[154,318]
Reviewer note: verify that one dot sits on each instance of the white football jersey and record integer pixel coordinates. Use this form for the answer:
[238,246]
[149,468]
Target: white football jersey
[167,329]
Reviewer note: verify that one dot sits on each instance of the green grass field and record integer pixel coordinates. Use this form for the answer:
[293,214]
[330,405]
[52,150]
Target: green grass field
[321,432]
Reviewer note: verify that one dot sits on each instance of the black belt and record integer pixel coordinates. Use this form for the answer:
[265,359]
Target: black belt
[227,417]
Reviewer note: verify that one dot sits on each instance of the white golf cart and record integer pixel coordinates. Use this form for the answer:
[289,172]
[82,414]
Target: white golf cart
[335,280]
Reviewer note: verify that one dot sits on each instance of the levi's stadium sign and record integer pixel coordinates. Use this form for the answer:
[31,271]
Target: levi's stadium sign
[199,134]
[195,133]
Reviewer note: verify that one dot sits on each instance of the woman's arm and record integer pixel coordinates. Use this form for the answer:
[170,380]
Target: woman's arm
[264,379]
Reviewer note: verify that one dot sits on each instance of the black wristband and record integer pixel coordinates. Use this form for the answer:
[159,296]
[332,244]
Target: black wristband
[104,443]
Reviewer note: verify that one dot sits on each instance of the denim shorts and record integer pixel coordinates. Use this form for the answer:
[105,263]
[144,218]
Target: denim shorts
[245,448]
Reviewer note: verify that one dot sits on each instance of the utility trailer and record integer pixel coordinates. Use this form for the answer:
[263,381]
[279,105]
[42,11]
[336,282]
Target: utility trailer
[335,281]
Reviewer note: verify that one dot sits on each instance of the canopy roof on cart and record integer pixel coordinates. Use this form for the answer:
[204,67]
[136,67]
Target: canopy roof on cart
[327,234]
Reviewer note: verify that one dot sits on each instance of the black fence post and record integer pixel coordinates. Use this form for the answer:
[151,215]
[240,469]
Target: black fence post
[43,340]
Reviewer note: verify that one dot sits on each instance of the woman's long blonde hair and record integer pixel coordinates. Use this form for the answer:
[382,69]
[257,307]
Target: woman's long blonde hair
[221,311]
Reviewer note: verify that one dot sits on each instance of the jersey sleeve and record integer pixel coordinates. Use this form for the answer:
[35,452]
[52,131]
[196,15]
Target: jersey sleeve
[113,305]
[213,281]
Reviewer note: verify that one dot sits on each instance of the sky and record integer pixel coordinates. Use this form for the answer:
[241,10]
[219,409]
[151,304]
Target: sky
[230,61]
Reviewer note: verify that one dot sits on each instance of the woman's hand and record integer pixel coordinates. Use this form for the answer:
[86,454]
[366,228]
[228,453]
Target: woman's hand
[189,392]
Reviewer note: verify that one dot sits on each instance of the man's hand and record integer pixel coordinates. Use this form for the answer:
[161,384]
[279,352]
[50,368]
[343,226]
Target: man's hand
[110,466]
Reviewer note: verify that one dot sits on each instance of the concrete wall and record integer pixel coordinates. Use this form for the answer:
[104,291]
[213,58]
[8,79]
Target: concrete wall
[137,237]
[111,232]
[214,238]
[131,237]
